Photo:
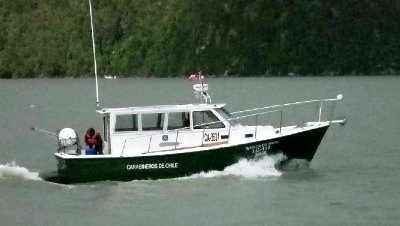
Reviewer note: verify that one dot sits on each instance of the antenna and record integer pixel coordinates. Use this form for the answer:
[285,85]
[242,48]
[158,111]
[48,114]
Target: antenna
[94,56]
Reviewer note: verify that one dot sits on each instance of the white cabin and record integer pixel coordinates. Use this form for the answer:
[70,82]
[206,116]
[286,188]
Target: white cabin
[135,131]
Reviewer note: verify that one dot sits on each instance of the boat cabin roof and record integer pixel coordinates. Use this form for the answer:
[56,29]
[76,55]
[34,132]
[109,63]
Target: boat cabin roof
[160,108]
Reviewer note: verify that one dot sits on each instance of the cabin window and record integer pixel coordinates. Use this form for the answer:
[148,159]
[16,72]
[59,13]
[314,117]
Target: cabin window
[126,123]
[177,120]
[206,120]
[152,121]
[226,115]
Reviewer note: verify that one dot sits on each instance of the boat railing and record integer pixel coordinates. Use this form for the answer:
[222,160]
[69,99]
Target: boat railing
[295,114]
[177,131]
[298,113]
[320,102]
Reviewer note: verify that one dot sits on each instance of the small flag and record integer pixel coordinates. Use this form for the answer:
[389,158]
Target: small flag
[194,78]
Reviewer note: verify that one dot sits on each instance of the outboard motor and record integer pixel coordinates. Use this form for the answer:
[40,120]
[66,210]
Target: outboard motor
[67,137]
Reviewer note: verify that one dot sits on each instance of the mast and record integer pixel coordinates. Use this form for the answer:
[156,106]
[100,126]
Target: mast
[200,89]
[94,56]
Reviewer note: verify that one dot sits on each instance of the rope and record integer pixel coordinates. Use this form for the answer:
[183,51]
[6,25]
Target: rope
[52,135]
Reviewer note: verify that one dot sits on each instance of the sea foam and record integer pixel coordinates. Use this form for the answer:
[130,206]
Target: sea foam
[12,170]
[249,169]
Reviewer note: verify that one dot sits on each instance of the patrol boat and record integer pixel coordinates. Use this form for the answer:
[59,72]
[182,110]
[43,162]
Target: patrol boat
[168,141]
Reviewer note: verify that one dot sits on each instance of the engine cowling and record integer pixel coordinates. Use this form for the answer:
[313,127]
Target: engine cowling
[67,137]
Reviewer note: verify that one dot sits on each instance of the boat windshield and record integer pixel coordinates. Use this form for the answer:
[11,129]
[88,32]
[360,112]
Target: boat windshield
[226,115]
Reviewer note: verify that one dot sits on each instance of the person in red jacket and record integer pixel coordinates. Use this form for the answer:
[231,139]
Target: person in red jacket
[93,140]
[90,138]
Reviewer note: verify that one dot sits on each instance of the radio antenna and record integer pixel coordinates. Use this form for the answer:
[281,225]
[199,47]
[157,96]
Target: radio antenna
[94,56]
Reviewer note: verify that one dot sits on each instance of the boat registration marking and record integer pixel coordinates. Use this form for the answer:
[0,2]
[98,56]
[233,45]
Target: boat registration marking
[149,166]
[211,136]
[261,149]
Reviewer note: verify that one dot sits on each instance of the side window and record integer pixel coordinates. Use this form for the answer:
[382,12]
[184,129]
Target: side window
[126,123]
[207,120]
[177,120]
[152,121]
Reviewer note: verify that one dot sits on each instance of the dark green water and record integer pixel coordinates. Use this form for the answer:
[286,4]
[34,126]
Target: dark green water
[353,180]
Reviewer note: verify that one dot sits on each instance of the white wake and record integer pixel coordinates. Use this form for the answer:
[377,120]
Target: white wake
[249,169]
[12,170]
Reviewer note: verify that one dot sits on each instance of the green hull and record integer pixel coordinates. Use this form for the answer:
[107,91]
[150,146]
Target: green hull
[302,145]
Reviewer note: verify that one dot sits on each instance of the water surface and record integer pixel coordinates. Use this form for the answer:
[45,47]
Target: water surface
[353,180]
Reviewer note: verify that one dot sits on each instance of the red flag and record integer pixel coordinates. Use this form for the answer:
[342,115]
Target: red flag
[194,78]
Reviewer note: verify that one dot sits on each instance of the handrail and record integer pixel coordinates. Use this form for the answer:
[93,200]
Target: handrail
[339,97]
[255,114]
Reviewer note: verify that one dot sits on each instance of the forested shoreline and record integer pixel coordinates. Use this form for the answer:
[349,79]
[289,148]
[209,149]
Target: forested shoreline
[48,38]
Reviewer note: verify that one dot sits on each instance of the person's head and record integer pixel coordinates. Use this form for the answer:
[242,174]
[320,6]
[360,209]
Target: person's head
[90,132]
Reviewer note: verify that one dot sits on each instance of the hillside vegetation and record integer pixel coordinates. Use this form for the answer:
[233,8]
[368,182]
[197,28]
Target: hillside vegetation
[48,38]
